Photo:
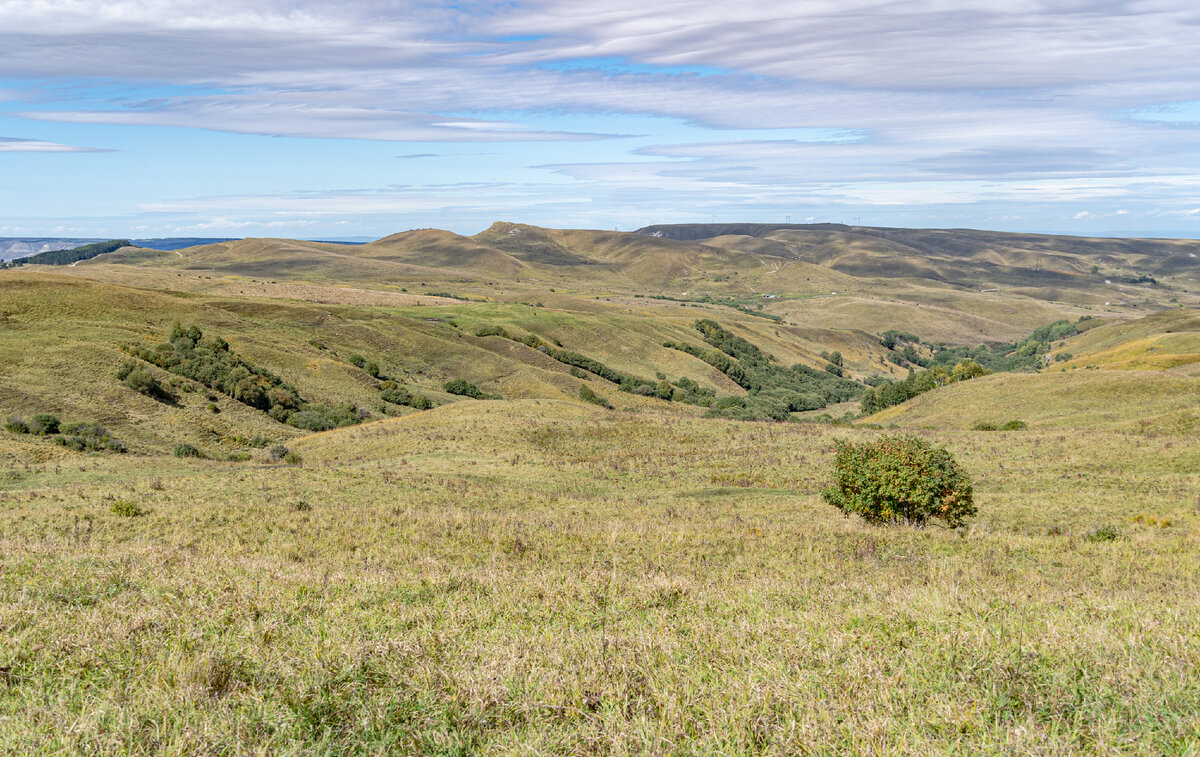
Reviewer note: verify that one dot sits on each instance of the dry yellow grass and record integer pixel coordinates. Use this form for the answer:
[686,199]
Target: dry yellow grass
[539,577]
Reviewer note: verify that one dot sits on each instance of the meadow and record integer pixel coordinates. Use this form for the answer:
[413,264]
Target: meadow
[537,575]
[541,577]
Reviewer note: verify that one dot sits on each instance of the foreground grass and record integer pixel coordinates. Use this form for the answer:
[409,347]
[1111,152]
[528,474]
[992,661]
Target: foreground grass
[538,578]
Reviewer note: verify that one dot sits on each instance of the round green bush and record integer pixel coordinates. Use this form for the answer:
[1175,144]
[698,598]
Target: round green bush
[900,479]
[186,450]
[144,382]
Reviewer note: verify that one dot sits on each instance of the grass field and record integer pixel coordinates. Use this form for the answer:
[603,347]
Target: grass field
[535,575]
[540,578]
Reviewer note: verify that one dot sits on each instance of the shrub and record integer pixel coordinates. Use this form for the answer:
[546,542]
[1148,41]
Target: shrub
[310,420]
[900,479]
[984,426]
[490,330]
[292,458]
[144,383]
[587,395]
[186,450]
[277,452]
[463,389]
[1014,426]
[398,395]
[1103,533]
[43,424]
[88,437]
[127,509]
[16,426]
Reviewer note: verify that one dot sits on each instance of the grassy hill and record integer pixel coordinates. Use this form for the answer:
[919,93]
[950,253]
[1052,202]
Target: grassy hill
[540,574]
[1141,402]
[65,337]
[412,302]
[1166,340]
[959,287]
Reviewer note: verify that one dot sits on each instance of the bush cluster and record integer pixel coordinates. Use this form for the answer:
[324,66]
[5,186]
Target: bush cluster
[81,437]
[210,361]
[582,363]
[773,391]
[1024,355]
[900,479]
[88,437]
[466,389]
[392,392]
[42,424]
[127,509]
[143,382]
[886,395]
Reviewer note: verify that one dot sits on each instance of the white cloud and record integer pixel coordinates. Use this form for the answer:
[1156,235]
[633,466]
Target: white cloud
[956,102]
[12,144]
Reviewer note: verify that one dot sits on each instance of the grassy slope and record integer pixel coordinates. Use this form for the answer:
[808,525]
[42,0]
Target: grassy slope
[539,577]
[61,351]
[1143,401]
[925,280]
[1170,339]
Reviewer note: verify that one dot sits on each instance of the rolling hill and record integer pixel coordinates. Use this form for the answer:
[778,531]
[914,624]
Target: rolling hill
[412,302]
[543,521]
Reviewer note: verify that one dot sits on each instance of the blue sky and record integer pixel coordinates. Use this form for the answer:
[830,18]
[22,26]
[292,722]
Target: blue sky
[301,119]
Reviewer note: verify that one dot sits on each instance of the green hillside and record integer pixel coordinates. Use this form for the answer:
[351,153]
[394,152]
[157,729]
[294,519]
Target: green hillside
[958,287]
[547,491]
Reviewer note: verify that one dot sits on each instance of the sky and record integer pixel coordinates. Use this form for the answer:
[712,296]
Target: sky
[148,118]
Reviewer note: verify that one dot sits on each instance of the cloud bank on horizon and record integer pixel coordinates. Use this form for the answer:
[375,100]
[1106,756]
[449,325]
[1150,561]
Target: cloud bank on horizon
[182,117]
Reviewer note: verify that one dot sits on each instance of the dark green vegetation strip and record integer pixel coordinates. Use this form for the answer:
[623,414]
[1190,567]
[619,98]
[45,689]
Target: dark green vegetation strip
[774,390]
[684,390]
[66,257]
[1025,355]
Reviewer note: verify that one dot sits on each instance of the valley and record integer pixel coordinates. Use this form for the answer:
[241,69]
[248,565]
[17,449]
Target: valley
[545,491]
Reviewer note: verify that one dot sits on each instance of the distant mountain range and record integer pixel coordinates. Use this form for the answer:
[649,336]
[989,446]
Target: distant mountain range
[12,248]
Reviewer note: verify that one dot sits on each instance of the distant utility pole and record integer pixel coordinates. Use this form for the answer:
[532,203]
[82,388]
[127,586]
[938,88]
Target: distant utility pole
[789,220]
